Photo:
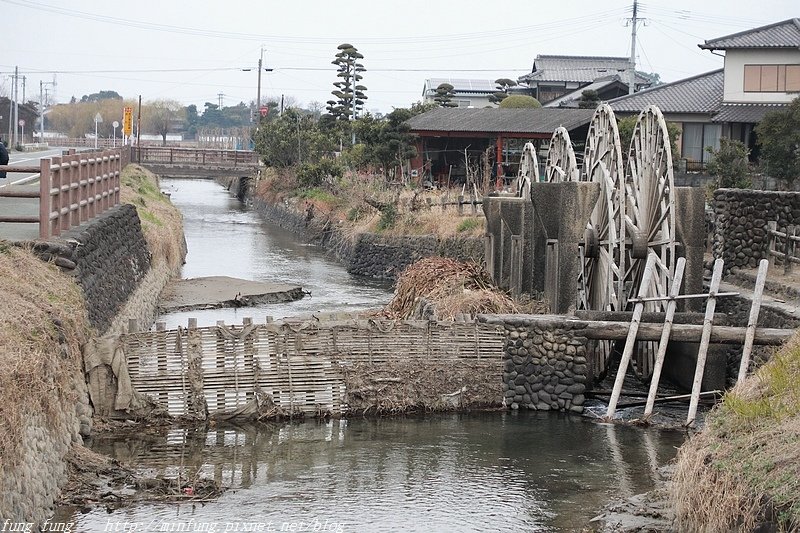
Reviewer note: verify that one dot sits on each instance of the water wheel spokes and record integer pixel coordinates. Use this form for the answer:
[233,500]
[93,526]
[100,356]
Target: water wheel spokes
[561,163]
[528,170]
[600,283]
[649,220]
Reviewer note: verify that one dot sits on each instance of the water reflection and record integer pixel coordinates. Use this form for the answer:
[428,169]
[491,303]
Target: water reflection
[469,472]
[225,238]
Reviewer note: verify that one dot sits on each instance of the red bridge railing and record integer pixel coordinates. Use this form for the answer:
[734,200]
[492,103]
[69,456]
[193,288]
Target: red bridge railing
[73,188]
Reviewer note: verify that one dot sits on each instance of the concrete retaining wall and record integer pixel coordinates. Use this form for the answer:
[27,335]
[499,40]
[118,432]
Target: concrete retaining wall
[544,362]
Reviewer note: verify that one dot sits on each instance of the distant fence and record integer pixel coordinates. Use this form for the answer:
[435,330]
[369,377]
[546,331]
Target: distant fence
[783,245]
[161,155]
[316,367]
[73,188]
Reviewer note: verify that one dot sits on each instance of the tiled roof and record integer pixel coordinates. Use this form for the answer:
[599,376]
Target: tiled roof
[570,99]
[698,94]
[785,34]
[533,121]
[582,69]
[749,113]
[462,85]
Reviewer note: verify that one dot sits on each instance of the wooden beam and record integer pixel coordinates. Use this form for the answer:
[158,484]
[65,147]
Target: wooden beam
[598,329]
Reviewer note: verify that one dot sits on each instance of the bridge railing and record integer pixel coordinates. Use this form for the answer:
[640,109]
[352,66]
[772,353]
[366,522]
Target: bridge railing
[164,155]
[73,188]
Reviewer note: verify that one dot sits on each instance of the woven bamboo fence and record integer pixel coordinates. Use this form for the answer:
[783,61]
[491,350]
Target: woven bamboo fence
[317,368]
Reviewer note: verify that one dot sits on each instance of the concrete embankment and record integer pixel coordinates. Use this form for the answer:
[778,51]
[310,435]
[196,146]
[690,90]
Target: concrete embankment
[59,296]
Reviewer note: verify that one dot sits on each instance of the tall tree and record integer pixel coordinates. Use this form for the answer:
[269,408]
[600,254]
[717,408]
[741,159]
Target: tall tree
[444,95]
[349,93]
[163,116]
[779,138]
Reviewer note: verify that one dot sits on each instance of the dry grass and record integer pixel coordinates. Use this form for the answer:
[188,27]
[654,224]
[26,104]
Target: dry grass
[162,223]
[42,326]
[744,468]
[451,286]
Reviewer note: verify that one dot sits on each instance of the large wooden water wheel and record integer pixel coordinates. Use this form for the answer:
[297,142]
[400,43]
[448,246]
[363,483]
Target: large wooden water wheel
[561,164]
[649,219]
[528,170]
[600,283]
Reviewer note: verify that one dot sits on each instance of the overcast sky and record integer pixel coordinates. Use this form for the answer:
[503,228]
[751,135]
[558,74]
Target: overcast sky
[193,51]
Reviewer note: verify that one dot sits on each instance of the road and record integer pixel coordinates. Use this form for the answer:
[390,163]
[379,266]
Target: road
[22,206]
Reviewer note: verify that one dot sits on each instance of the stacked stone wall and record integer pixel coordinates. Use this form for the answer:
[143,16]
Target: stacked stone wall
[545,365]
[741,219]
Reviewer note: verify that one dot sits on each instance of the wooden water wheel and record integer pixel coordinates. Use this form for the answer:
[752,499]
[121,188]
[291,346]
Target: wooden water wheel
[649,220]
[561,164]
[528,171]
[600,283]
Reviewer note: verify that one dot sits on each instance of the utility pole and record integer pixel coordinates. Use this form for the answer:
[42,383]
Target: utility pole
[634,22]
[16,106]
[10,112]
[258,95]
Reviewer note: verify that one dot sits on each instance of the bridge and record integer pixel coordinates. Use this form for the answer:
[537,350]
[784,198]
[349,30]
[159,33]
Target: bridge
[195,163]
[63,191]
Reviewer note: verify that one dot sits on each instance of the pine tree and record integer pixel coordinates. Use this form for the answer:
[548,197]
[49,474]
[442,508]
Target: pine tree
[444,95]
[349,93]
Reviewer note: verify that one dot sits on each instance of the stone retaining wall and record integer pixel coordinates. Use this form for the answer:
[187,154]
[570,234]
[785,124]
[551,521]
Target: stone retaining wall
[108,257]
[370,254]
[545,362]
[742,215]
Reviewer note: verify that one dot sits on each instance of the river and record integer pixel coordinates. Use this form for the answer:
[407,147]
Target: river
[498,471]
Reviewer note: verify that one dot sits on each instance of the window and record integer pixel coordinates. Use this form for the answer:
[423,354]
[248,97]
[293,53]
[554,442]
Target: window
[696,138]
[771,78]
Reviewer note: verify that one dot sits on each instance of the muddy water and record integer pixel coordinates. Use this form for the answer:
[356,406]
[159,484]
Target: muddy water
[472,472]
[515,471]
[225,238]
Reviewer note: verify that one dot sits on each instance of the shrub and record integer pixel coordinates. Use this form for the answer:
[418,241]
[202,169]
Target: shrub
[388,217]
[729,164]
[317,174]
[517,101]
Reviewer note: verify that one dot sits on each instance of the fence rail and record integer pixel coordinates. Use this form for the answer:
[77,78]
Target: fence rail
[195,156]
[783,245]
[73,188]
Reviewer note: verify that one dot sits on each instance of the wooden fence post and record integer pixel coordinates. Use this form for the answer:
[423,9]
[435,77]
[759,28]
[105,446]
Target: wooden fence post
[198,407]
[772,227]
[45,180]
[788,248]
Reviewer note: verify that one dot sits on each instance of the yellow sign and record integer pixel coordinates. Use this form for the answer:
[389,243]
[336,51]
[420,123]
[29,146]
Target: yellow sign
[127,121]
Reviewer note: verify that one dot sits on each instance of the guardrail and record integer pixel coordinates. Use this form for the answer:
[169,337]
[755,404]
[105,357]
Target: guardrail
[73,188]
[161,155]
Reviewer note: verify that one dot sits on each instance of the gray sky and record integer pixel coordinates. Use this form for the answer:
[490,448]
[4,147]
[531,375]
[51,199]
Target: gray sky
[403,43]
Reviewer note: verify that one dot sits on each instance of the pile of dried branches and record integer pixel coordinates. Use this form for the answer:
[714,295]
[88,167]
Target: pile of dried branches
[449,287]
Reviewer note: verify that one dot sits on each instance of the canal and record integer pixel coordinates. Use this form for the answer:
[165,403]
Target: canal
[497,471]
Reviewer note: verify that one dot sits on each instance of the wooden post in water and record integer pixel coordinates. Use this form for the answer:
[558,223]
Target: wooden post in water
[675,290]
[711,305]
[755,308]
[630,342]
[220,366]
[161,358]
[249,358]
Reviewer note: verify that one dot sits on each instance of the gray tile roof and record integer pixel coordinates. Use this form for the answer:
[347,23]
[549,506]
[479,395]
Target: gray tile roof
[582,69]
[698,94]
[461,85]
[749,113]
[784,34]
[529,121]
[570,99]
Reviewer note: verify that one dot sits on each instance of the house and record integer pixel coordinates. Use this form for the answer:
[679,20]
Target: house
[554,76]
[761,73]
[607,88]
[468,93]
[448,137]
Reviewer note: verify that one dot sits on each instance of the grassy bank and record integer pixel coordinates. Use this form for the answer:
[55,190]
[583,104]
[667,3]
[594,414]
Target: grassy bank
[359,203]
[161,221]
[743,469]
